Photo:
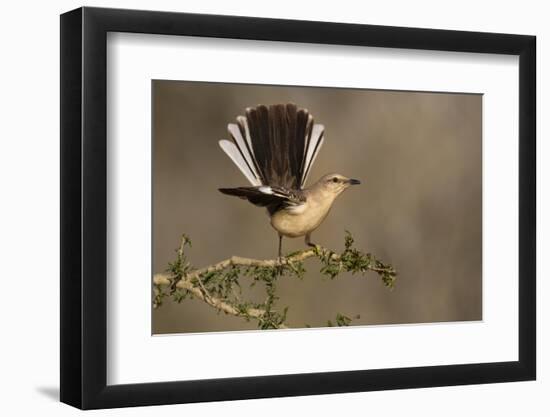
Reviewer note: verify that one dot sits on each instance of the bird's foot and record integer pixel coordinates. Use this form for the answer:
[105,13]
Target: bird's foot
[316,248]
[280,264]
[309,242]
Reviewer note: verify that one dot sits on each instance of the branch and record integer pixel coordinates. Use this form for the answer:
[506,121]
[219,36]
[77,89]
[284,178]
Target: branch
[164,279]
[215,284]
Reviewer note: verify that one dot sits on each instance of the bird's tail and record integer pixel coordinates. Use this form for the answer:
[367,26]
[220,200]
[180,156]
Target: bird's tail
[274,145]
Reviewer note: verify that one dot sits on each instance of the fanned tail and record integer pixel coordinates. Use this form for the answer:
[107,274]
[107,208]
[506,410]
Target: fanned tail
[274,145]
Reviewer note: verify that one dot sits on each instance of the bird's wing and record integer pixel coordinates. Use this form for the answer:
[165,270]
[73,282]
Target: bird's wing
[275,145]
[273,198]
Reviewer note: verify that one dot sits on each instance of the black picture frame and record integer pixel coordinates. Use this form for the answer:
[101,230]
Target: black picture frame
[84,207]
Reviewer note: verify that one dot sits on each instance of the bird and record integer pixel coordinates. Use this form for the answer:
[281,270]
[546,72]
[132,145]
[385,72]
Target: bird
[275,146]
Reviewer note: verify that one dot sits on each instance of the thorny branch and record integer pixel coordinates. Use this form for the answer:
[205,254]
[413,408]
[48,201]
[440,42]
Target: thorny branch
[217,284]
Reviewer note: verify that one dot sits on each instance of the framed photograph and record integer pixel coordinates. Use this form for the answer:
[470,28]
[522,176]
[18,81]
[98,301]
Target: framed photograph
[258,208]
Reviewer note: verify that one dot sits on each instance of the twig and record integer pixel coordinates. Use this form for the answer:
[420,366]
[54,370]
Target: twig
[163,279]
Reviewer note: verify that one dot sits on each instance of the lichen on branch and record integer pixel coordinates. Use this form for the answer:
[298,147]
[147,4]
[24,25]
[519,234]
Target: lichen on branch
[219,285]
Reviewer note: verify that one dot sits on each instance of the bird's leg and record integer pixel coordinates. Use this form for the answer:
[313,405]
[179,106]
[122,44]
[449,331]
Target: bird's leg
[280,258]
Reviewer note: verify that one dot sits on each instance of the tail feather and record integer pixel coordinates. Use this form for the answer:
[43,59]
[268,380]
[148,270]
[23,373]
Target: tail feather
[245,132]
[233,152]
[244,150]
[314,145]
[304,122]
[275,145]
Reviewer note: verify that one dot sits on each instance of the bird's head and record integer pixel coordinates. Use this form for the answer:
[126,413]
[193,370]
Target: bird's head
[335,184]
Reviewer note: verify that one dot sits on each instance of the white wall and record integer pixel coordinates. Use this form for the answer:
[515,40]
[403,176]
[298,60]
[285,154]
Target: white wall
[29,173]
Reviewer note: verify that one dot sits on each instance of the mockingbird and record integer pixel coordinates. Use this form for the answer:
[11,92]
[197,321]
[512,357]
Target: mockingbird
[274,147]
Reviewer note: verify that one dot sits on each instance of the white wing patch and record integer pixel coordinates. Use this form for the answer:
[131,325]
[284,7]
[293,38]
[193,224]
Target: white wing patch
[296,208]
[233,152]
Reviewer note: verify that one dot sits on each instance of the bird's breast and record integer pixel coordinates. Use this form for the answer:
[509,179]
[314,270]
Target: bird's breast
[300,220]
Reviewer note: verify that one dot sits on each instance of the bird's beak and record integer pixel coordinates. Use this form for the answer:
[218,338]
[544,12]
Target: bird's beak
[354,182]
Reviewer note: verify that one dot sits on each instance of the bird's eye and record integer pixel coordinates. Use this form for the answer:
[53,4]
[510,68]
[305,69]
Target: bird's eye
[335,179]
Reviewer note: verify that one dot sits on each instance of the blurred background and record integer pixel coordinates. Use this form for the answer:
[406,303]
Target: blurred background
[418,156]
